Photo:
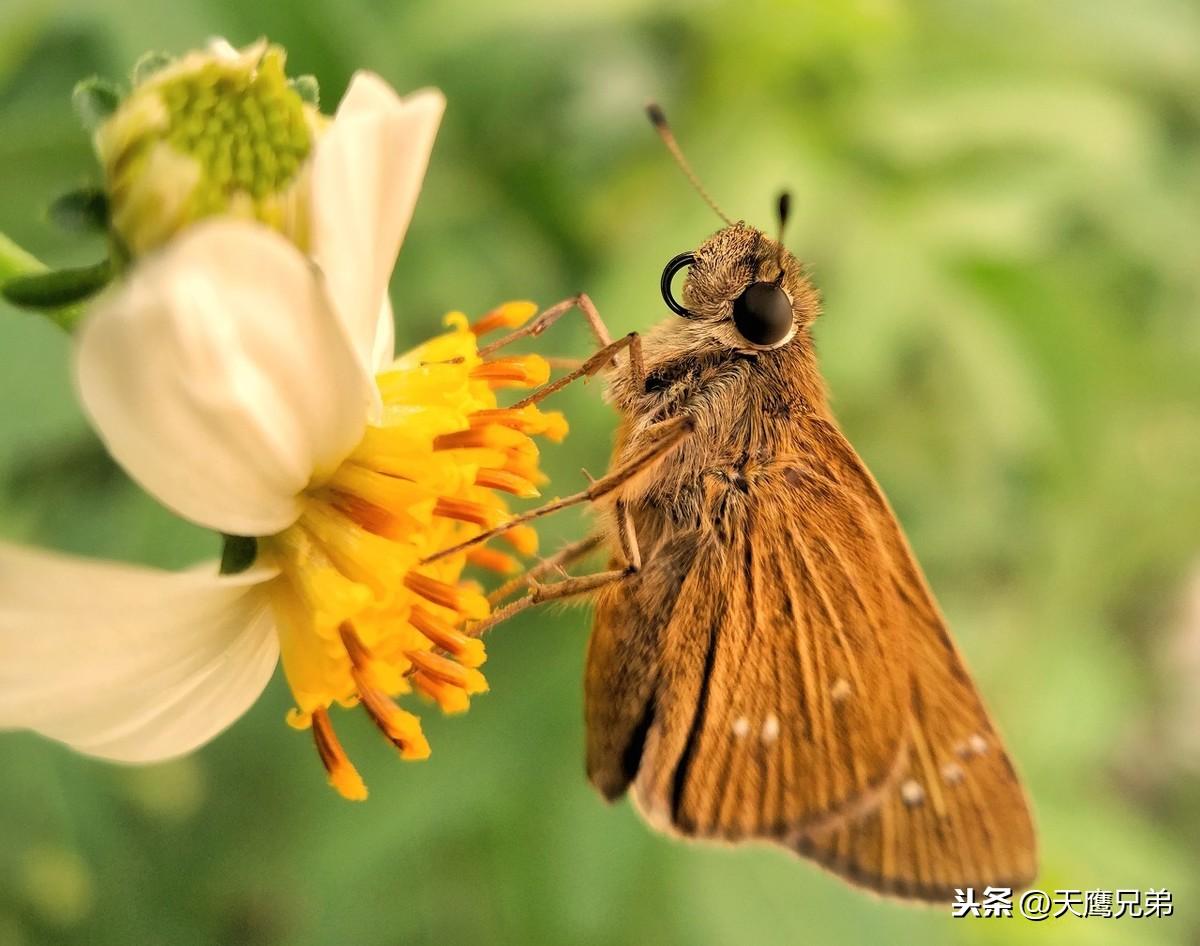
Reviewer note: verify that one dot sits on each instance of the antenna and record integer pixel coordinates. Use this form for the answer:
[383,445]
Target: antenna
[784,209]
[659,121]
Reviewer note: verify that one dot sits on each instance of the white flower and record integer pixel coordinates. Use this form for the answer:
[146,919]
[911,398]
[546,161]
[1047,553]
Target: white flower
[233,376]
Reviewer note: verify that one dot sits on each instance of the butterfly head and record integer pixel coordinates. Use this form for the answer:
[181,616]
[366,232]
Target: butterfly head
[745,284]
[741,284]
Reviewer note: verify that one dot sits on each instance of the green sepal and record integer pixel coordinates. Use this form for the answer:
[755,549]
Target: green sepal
[238,553]
[148,64]
[81,211]
[95,99]
[307,88]
[57,288]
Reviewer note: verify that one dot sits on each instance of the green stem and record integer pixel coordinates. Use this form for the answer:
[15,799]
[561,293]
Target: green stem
[15,261]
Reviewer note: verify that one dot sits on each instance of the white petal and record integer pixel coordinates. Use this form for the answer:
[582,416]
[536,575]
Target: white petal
[129,663]
[367,174]
[220,379]
[384,352]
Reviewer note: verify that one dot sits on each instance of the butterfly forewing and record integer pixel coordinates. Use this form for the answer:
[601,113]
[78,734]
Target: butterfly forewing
[776,697]
[800,686]
[956,816]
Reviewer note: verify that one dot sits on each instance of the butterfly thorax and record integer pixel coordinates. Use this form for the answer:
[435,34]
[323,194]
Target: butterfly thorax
[752,411]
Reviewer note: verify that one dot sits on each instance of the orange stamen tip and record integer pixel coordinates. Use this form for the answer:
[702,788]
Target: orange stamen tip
[476,682]
[417,751]
[522,464]
[468,603]
[508,315]
[509,482]
[450,699]
[488,437]
[557,427]
[493,560]
[343,776]
[448,671]
[401,727]
[472,604]
[466,510]
[522,538]
[522,371]
[468,651]
[348,783]
[527,420]
[472,654]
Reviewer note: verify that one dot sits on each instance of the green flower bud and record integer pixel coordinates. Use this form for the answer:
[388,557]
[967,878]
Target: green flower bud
[219,131]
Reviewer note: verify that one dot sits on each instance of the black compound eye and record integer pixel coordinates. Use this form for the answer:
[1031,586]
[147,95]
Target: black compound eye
[762,314]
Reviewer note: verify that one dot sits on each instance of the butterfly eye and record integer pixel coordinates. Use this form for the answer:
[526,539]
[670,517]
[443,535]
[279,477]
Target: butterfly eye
[675,265]
[763,314]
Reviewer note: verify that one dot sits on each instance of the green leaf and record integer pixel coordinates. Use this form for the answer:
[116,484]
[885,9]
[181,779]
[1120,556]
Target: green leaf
[149,64]
[15,261]
[81,211]
[57,288]
[95,99]
[307,88]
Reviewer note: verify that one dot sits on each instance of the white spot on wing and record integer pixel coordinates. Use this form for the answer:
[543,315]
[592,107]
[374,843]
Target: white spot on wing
[741,726]
[840,689]
[770,730]
[974,744]
[952,773]
[911,793]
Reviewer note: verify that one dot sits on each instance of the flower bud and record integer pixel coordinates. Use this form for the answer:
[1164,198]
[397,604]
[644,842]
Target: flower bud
[219,131]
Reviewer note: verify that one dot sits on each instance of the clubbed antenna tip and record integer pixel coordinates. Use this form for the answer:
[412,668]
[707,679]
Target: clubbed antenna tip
[784,207]
[659,120]
[656,115]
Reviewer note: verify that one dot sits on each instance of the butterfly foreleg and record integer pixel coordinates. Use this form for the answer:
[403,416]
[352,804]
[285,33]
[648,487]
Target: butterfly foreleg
[592,366]
[602,359]
[665,438]
[544,320]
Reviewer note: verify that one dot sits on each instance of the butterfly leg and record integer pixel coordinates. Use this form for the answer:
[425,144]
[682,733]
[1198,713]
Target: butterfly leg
[545,319]
[602,359]
[671,434]
[591,366]
[556,562]
[572,586]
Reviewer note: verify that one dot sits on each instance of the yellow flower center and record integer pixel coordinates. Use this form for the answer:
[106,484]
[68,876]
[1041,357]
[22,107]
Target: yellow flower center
[361,620]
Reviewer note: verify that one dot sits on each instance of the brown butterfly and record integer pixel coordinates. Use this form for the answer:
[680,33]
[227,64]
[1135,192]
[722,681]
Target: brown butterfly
[767,661]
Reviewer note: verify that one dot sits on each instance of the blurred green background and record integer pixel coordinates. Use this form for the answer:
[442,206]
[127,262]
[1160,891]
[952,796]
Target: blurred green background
[1000,202]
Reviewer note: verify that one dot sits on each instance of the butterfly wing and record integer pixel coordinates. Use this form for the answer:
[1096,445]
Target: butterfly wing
[783,673]
[957,815]
[747,680]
